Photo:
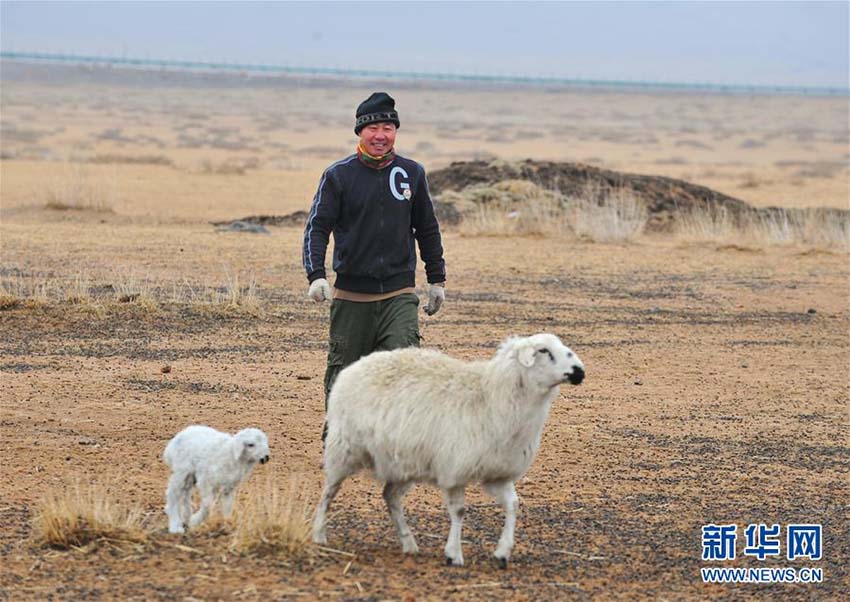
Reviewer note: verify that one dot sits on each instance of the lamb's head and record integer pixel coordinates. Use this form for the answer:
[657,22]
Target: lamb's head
[251,446]
[546,360]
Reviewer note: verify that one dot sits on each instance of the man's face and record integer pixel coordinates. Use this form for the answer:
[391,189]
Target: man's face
[378,138]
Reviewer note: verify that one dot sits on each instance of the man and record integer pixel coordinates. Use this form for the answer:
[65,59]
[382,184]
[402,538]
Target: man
[375,203]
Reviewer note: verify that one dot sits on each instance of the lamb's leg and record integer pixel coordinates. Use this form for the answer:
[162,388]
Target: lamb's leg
[454,502]
[177,495]
[207,500]
[393,494]
[505,494]
[186,505]
[227,502]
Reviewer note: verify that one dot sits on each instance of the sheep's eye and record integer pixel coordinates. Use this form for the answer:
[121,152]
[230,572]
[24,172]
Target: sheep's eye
[547,352]
[249,445]
[569,353]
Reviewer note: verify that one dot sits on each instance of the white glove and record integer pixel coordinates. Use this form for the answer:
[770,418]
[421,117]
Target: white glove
[436,296]
[320,290]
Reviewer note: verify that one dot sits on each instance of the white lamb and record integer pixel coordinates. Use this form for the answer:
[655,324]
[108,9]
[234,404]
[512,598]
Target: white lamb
[213,461]
[415,415]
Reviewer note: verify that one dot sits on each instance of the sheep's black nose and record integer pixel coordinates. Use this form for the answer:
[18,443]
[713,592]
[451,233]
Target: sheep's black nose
[576,376]
[264,459]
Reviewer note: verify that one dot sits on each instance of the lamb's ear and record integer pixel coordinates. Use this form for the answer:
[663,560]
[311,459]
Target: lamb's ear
[525,355]
[237,446]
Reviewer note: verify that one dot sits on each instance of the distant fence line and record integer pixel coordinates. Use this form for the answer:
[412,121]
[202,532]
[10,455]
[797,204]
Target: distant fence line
[422,76]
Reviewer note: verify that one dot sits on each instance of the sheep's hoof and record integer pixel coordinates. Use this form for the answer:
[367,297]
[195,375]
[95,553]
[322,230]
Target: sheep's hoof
[454,561]
[503,562]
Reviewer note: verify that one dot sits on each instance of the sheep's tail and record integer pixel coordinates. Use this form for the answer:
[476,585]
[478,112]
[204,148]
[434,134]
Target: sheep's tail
[342,456]
[334,438]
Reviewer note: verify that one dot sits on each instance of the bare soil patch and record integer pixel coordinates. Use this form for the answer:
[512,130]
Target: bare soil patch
[717,372]
[713,394]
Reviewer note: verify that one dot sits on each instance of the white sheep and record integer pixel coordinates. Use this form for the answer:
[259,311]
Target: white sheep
[214,461]
[414,415]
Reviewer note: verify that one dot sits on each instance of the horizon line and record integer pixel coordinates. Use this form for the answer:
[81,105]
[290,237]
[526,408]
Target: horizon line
[185,65]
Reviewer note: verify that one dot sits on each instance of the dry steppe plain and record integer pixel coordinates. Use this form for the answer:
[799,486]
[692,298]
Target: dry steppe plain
[717,373]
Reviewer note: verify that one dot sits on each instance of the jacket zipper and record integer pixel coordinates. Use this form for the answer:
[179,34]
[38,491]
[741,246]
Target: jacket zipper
[381,231]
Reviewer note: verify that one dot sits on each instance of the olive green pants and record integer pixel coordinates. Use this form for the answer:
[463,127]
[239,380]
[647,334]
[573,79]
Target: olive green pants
[358,329]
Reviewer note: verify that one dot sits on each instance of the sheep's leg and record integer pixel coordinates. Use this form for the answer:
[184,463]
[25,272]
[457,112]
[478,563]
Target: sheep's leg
[454,502]
[332,485]
[176,496]
[207,500]
[393,494]
[506,496]
[338,467]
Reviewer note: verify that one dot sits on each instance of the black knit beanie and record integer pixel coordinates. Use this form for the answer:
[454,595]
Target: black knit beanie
[379,107]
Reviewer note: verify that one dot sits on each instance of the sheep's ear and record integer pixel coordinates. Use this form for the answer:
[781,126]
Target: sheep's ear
[525,355]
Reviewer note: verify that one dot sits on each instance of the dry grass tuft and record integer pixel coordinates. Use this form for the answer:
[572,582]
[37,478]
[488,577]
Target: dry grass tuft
[717,225]
[813,227]
[617,217]
[236,293]
[229,167]
[80,190]
[510,207]
[271,522]
[124,287]
[80,517]
[128,287]
[80,290]
[521,207]
[8,301]
[10,297]
[132,160]
[25,291]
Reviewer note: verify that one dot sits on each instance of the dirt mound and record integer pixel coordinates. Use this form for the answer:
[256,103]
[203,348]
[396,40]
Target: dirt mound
[665,198]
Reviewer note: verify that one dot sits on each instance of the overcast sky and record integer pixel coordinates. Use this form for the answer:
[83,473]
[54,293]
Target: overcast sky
[754,43]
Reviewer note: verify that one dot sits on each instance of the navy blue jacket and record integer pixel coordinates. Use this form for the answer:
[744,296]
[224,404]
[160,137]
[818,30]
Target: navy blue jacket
[374,215]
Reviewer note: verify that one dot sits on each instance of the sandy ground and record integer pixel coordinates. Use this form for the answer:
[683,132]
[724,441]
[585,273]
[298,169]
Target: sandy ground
[717,376]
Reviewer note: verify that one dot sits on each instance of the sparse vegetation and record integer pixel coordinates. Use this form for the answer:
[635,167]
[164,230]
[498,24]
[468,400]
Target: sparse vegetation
[132,159]
[229,167]
[526,203]
[236,292]
[17,291]
[718,335]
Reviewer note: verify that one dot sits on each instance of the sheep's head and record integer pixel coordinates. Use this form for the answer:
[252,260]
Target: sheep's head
[251,446]
[547,360]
